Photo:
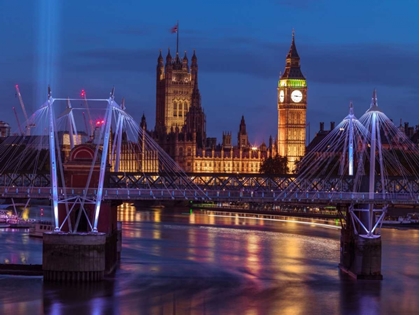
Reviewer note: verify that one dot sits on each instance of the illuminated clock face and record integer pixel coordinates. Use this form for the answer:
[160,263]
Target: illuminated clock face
[281,96]
[296,96]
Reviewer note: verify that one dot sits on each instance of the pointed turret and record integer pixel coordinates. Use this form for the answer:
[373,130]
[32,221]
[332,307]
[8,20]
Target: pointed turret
[242,126]
[160,58]
[168,57]
[194,67]
[242,134]
[143,123]
[293,54]
[177,64]
[160,68]
[196,97]
[185,61]
[292,69]
[195,120]
[194,58]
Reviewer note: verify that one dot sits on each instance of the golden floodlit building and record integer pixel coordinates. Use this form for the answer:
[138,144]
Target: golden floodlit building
[180,127]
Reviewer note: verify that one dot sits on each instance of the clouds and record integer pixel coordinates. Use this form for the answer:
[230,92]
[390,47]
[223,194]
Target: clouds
[370,63]
[239,75]
[365,63]
[346,50]
[112,59]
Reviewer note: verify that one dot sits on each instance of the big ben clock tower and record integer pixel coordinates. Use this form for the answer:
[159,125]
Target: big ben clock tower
[291,104]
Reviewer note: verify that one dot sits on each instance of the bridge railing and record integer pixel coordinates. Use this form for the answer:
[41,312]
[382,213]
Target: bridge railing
[255,182]
[273,196]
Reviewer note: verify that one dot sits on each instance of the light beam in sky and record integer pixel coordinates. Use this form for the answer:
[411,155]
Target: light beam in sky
[47,50]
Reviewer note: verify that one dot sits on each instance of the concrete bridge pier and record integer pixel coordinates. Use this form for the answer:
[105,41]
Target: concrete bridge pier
[77,253]
[78,257]
[360,257]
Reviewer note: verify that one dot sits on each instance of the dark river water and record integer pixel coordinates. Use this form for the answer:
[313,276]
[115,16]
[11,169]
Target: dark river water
[179,262]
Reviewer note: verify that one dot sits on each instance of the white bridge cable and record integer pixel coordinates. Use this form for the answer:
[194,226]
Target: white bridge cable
[22,155]
[328,161]
[397,154]
[158,170]
[151,158]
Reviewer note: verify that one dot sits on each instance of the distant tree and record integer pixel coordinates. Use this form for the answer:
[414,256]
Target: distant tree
[297,166]
[274,166]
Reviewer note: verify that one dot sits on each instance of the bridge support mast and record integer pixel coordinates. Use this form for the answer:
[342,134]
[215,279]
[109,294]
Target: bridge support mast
[361,245]
[104,158]
[54,180]
[82,254]
[360,256]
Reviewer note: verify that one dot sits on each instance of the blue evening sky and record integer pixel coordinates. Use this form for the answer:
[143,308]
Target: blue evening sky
[347,49]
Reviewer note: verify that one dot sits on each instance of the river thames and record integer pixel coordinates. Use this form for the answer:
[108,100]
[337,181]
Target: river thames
[190,262]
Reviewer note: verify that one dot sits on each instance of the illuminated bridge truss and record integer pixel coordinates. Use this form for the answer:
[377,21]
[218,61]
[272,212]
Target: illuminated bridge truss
[285,187]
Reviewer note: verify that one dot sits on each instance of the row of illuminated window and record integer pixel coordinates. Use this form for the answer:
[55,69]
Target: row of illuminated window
[181,151]
[293,82]
[292,118]
[228,166]
[298,150]
[180,108]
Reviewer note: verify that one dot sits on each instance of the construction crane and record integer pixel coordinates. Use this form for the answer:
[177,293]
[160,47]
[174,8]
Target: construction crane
[90,130]
[18,122]
[27,124]
[86,124]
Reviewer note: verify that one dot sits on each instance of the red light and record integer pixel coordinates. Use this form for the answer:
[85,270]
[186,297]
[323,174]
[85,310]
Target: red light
[82,93]
[100,122]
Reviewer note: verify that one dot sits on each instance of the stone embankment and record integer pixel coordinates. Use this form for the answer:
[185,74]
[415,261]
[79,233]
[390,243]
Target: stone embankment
[21,270]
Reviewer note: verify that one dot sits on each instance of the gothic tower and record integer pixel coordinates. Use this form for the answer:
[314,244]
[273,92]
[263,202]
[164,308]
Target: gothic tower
[174,88]
[195,120]
[291,104]
[242,135]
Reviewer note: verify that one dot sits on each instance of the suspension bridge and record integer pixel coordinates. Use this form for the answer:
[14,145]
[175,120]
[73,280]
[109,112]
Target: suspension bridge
[365,164]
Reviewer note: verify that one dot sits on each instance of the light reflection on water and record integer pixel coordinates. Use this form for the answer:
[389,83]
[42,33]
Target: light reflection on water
[174,262]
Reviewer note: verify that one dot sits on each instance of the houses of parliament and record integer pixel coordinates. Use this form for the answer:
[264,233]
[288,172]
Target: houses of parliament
[180,127]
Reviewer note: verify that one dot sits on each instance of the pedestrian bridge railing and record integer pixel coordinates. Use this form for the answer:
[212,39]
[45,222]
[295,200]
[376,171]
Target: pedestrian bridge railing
[269,196]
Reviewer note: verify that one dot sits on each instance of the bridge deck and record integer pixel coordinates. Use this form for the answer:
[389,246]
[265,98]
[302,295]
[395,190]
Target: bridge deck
[269,196]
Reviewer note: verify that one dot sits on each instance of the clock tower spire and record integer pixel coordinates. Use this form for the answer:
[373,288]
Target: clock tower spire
[291,105]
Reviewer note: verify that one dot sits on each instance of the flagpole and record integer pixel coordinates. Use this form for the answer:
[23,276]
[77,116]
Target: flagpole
[177,36]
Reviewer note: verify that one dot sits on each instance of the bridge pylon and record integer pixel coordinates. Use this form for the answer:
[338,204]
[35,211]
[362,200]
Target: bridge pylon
[85,242]
[360,256]
[361,242]
[77,252]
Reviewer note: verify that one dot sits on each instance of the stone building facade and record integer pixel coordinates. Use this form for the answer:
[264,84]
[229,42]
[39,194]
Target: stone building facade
[180,126]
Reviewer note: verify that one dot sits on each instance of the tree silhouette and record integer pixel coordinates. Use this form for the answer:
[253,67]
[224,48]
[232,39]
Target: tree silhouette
[274,166]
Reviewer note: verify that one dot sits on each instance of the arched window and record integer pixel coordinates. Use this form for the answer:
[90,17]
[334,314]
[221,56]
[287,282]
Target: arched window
[180,109]
[175,108]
